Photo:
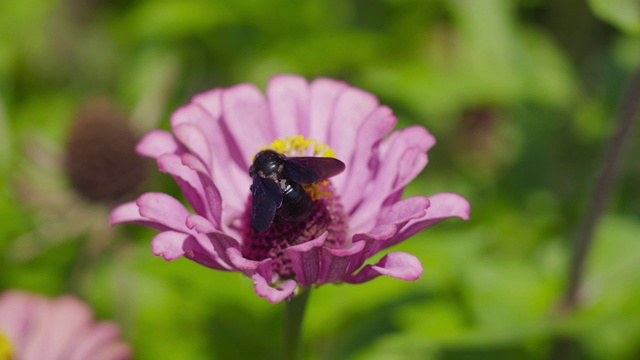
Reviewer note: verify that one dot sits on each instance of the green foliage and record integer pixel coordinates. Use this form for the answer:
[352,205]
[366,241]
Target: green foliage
[625,14]
[521,96]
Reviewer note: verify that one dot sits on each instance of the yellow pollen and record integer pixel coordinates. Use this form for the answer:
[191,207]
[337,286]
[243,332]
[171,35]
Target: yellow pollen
[5,348]
[318,190]
[298,145]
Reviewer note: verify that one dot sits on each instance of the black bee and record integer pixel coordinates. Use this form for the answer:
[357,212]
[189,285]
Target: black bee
[276,185]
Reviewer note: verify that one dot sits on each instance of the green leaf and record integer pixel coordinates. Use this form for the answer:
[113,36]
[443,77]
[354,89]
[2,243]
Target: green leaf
[608,322]
[167,20]
[625,14]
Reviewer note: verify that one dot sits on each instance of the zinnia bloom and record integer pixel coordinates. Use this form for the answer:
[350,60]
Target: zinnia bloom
[38,328]
[356,214]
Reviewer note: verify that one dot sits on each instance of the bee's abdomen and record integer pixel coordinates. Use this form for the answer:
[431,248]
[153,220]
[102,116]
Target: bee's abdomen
[296,203]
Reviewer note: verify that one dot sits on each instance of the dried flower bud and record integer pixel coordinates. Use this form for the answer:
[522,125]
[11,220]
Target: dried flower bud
[100,159]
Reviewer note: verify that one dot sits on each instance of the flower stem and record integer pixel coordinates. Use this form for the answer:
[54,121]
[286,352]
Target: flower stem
[606,181]
[293,316]
[563,347]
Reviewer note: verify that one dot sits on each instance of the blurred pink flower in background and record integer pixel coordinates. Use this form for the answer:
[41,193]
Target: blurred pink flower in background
[360,213]
[33,327]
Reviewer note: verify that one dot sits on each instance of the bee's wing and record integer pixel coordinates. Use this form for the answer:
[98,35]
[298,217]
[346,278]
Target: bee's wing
[266,198]
[308,170]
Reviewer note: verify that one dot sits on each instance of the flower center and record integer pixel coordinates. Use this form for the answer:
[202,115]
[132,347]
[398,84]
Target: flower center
[6,352]
[100,160]
[326,215]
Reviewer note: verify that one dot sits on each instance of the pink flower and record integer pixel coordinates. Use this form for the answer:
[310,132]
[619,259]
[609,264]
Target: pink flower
[209,153]
[39,328]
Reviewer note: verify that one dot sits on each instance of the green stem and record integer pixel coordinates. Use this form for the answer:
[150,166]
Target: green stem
[604,187]
[563,347]
[293,316]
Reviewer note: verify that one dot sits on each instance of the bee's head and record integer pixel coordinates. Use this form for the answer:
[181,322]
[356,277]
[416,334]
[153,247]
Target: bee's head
[266,163]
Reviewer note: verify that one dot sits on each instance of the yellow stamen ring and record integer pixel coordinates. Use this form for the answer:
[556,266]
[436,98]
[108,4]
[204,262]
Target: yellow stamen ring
[298,145]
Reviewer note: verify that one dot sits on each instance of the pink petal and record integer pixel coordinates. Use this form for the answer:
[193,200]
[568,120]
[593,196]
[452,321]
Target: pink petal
[211,194]
[229,166]
[38,320]
[70,317]
[187,180]
[240,262]
[172,245]
[164,209]
[169,244]
[194,139]
[200,249]
[305,260]
[16,310]
[358,171]
[246,116]
[206,246]
[399,265]
[157,143]
[393,219]
[113,351]
[47,334]
[411,140]
[196,254]
[202,191]
[130,213]
[412,136]
[334,263]
[233,184]
[374,241]
[89,342]
[446,205]
[249,267]
[412,162]
[200,224]
[323,94]
[288,100]
[351,109]
[210,102]
[224,149]
[127,212]
[274,295]
[264,268]
[405,210]
[443,206]
[221,244]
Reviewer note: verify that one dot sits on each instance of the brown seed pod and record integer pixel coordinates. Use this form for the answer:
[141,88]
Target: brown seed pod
[100,160]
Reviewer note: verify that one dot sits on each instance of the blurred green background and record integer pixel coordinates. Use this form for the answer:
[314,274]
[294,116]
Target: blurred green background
[521,95]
